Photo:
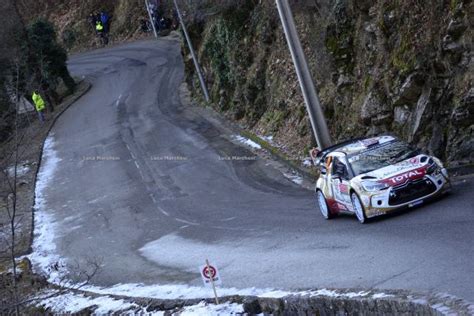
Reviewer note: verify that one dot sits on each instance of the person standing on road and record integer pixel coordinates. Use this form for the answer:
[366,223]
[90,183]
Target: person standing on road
[39,105]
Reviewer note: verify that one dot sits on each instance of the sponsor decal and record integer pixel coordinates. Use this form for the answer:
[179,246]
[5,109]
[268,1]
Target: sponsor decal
[403,177]
[415,203]
[343,188]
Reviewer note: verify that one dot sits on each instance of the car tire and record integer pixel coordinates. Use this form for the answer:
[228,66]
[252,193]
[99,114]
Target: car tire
[323,205]
[358,208]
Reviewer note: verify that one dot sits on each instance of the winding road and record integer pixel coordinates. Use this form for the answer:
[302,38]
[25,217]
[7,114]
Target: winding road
[147,183]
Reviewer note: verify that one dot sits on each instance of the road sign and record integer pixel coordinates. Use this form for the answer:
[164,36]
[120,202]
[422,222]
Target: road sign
[210,274]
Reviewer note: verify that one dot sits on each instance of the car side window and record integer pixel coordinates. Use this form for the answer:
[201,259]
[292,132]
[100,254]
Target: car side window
[340,169]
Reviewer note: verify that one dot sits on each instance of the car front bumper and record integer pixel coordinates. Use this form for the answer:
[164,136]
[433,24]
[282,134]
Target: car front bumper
[386,201]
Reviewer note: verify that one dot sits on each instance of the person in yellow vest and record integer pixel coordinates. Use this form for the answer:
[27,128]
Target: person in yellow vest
[99,27]
[39,104]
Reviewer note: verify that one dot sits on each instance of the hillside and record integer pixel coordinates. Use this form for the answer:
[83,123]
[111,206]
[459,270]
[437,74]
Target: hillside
[403,67]
[71,19]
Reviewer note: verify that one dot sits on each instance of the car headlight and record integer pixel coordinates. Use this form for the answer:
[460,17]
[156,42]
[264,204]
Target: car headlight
[434,167]
[374,186]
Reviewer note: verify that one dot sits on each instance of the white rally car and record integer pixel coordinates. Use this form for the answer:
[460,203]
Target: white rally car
[369,177]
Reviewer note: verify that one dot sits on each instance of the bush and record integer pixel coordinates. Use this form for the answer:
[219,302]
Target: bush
[47,55]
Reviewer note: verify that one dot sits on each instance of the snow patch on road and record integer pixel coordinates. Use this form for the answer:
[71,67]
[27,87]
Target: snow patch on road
[246,141]
[44,254]
[294,178]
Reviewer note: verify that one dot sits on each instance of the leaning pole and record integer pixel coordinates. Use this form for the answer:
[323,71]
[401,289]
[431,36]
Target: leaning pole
[193,54]
[313,106]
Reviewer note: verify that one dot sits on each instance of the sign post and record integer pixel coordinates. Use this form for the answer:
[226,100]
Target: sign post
[210,276]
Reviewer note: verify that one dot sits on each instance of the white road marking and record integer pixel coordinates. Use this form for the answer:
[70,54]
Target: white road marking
[184,226]
[163,211]
[136,164]
[228,219]
[118,100]
[186,222]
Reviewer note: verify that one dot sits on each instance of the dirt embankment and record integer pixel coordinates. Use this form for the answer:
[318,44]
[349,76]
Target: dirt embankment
[70,19]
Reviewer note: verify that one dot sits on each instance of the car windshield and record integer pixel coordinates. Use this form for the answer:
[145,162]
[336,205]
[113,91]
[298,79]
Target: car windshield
[381,156]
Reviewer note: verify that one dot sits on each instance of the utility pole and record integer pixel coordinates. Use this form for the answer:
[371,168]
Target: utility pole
[193,54]
[151,18]
[316,115]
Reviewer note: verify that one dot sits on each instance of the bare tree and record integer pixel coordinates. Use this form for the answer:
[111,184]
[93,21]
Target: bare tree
[10,173]
[15,230]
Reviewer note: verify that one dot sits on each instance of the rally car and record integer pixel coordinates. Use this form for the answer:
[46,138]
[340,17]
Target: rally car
[369,177]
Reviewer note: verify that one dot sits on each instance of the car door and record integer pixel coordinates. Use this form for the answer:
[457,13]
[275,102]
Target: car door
[340,183]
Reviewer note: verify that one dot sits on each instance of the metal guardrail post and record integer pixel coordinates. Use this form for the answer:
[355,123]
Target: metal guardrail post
[151,18]
[193,54]
[316,115]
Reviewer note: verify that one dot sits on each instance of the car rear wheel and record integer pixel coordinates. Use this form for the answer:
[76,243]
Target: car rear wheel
[323,205]
[358,208]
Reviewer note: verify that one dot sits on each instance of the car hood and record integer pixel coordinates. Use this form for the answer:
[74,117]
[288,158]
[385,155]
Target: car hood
[401,172]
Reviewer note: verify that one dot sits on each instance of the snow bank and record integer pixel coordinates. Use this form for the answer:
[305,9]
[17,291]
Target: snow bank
[212,310]
[44,254]
[21,170]
[246,141]
[294,178]
[72,303]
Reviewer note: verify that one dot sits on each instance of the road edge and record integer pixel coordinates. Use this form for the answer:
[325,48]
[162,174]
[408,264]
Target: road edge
[70,100]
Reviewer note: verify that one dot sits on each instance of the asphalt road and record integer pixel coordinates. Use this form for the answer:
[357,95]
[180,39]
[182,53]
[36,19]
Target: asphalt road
[144,184]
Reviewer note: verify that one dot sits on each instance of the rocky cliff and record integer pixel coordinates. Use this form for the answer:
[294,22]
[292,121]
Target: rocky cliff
[403,67]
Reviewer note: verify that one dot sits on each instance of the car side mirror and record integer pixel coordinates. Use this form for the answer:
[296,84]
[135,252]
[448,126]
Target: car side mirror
[341,173]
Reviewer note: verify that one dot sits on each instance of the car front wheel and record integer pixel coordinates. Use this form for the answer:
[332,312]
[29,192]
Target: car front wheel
[323,205]
[358,208]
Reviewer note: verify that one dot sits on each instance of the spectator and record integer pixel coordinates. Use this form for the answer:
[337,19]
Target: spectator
[104,18]
[92,19]
[39,104]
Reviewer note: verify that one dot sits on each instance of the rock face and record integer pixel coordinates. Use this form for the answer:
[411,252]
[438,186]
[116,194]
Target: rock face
[70,19]
[379,66]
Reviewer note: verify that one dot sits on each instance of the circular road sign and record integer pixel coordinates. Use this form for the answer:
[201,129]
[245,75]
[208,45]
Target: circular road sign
[209,272]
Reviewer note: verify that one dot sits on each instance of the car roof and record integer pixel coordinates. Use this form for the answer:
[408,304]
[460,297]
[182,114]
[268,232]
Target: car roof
[356,145]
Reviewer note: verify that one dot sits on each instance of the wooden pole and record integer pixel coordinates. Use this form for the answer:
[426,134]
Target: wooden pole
[211,278]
